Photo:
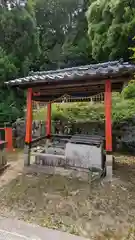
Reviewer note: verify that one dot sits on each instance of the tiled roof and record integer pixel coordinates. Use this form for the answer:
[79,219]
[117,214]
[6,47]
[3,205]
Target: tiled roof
[93,71]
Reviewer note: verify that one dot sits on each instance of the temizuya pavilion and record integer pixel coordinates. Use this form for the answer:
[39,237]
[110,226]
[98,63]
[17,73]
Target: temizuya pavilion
[77,82]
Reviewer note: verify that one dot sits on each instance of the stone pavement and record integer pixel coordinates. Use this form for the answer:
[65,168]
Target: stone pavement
[18,230]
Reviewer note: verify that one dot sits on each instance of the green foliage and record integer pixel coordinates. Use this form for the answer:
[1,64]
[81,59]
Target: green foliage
[19,37]
[111,27]
[7,68]
[19,45]
[129,90]
[63,33]
[44,34]
[121,109]
[133,50]
[10,109]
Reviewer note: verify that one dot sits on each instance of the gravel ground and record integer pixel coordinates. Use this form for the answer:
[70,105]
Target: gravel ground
[100,211]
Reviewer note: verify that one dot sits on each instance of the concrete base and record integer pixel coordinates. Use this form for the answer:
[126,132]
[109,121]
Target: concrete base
[83,155]
[50,160]
[109,164]
[26,155]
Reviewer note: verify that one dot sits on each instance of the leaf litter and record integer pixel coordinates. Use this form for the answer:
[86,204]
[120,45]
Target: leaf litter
[101,211]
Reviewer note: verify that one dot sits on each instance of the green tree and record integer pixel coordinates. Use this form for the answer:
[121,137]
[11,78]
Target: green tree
[76,48]
[111,27]
[7,68]
[19,46]
[63,33]
[11,102]
[129,91]
[19,37]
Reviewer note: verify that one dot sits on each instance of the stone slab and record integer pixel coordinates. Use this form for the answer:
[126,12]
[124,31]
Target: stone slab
[18,230]
[83,156]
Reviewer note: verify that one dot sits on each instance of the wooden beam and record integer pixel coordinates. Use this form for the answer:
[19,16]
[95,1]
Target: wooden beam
[64,85]
[71,90]
[51,97]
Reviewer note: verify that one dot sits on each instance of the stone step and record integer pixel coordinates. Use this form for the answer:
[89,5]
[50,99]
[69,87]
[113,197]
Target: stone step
[11,229]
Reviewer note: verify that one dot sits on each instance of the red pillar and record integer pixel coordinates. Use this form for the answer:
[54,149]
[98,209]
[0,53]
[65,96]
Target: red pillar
[48,121]
[9,138]
[28,135]
[108,120]
[108,129]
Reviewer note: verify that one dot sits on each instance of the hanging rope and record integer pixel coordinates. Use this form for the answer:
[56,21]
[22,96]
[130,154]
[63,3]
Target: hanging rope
[68,98]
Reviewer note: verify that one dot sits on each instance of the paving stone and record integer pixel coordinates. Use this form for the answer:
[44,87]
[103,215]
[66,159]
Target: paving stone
[18,230]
